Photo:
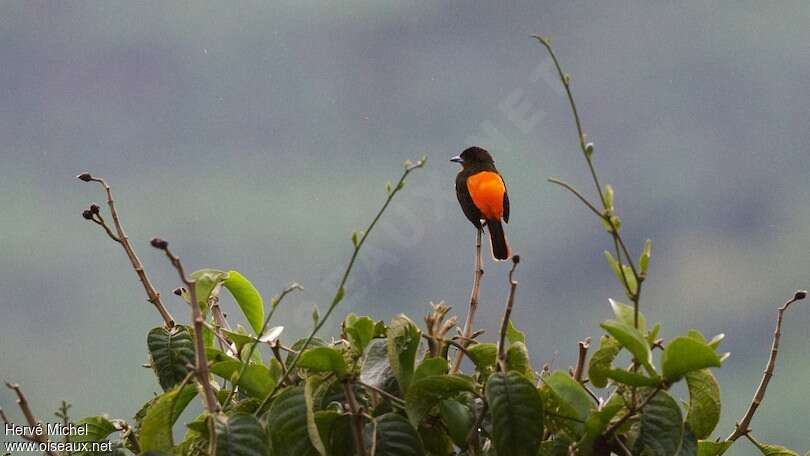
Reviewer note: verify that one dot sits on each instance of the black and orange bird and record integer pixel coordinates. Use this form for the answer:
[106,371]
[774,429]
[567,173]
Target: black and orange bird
[482,195]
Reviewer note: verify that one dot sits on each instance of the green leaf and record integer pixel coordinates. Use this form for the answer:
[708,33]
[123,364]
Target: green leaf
[205,280]
[615,266]
[287,424]
[239,435]
[296,347]
[632,378]
[323,359]
[704,402]
[311,384]
[360,331]
[626,314]
[661,426]
[435,439]
[394,436]
[156,428]
[685,354]
[570,392]
[431,367]
[517,359]
[513,335]
[483,355]
[171,351]
[599,420]
[609,196]
[459,420]
[602,361]
[517,414]
[376,370]
[98,429]
[644,260]
[709,448]
[333,428]
[256,381]
[248,298]
[403,343]
[773,450]
[689,445]
[632,339]
[426,393]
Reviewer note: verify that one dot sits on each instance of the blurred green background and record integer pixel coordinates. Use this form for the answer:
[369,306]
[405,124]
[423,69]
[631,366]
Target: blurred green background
[257,135]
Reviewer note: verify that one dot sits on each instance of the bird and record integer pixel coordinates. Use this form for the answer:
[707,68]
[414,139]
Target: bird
[481,192]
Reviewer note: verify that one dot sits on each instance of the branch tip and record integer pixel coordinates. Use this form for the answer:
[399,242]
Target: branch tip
[85,177]
[801,294]
[159,243]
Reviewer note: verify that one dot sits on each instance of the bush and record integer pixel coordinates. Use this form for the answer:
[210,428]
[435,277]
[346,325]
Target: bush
[397,388]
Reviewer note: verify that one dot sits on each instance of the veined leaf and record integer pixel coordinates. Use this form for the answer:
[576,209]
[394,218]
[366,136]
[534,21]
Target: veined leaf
[661,426]
[239,435]
[394,436]
[171,351]
[287,424]
[517,414]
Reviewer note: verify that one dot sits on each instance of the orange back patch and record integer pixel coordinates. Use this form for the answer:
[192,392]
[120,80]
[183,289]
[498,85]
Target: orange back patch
[487,190]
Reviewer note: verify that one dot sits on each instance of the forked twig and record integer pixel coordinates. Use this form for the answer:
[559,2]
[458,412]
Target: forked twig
[121,237]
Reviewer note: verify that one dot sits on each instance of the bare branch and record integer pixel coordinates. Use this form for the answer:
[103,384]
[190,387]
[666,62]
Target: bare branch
[510,302]
[121,237]
[473,306]
[201,368]
[357,418]
[22,401]
[583,353]
[359,239]
[742,428]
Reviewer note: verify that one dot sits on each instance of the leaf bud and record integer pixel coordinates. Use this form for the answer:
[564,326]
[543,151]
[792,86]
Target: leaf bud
[159,243]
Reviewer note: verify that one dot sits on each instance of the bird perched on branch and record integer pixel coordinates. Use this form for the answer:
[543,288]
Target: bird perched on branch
[482,195]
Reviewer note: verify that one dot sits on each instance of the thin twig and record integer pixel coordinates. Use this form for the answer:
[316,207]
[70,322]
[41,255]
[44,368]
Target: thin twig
[607,214]
[583,353]
[359,240]
[121,237]
[631,411]
[395,400]
[741,428]
[507,314]
[245,362]
[579,195]
[473,306]
[201,367]
[357,418]
[22,401]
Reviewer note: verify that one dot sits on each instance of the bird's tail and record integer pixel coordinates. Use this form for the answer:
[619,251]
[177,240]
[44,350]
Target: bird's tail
[497,241]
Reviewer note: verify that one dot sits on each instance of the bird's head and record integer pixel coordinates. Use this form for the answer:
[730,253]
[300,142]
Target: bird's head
[473,156]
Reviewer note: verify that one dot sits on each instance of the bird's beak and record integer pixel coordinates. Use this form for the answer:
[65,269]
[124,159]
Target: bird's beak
[457,159]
